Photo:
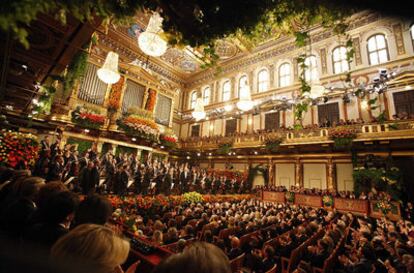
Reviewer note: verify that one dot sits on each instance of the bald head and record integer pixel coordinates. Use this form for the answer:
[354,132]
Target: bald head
[235,242]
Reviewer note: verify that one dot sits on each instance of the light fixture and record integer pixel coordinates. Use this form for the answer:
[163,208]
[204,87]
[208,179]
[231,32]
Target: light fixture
[209,154]
[86,130]
[188,157]
[228,107]
[317,91]
[162,147]
[245,102]
[134,139]
[255,152]
[198,112]
[108,73]
[198,154]
[149,41]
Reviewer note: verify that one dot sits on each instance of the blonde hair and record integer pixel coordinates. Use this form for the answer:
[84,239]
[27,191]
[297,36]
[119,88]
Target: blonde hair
[94,245]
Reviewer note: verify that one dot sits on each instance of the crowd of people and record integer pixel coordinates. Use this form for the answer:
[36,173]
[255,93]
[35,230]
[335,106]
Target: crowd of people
[124,173]
[49,220]
[371,195]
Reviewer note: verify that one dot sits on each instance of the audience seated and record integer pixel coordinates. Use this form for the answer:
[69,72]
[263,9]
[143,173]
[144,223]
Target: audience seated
[89,248]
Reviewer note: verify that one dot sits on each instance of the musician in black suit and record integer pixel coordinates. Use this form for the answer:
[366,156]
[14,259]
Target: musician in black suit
[185,178]
[45,143]
[121,181]
[55,169]
[168,180]
[138,179]
[89,178]
[147,180]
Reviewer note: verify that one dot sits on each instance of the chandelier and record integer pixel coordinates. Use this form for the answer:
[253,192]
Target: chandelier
[198,112]
[149,41]
[108,73]
[245,102]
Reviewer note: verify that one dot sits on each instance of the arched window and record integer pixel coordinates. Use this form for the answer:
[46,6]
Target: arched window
[263,80]
[340,64]
[242,83]
[206,95]
[377,49]
[226,91]
[311,71]
[284,75]
[193,99]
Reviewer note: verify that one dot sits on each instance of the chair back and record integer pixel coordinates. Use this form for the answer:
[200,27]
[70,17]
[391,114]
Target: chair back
[273,269]
[237,263]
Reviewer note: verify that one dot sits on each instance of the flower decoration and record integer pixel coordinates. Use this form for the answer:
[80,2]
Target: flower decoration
[327,200]
[139,124]
[192,197]
[114,100]
[384,205]
[88,118]
[169,139]
[290,196]
[18,149]
[342,136]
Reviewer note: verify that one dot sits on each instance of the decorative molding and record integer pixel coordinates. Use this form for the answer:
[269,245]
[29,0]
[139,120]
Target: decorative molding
[279,48]
[357,47]
[324,65]
[399,39]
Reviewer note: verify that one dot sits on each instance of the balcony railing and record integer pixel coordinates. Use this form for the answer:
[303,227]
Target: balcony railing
[365,132]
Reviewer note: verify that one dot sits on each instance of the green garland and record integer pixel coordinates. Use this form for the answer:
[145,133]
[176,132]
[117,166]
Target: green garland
[83,145]
[382,179]
[194,22]
[224,149]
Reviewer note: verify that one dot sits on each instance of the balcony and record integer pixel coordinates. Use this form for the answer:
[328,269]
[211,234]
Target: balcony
[365,133]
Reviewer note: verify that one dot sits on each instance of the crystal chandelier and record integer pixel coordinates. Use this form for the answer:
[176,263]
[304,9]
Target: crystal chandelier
[245,102]
[108,73]
[149,41]
[198,112]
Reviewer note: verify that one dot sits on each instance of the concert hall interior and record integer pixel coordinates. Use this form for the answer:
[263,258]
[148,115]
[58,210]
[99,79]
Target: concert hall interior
[225,136]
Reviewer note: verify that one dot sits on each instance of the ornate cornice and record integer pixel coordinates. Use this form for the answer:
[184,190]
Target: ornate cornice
[277,48]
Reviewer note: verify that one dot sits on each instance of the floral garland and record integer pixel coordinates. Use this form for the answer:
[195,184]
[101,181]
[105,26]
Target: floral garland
[87,118]
[139,126]
[342,136]
[327,200]
[18,148]
[114,100]
[152,98]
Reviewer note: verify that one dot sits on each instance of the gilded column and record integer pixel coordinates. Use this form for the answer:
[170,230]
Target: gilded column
[330,175]
[270,172]
[298,173]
